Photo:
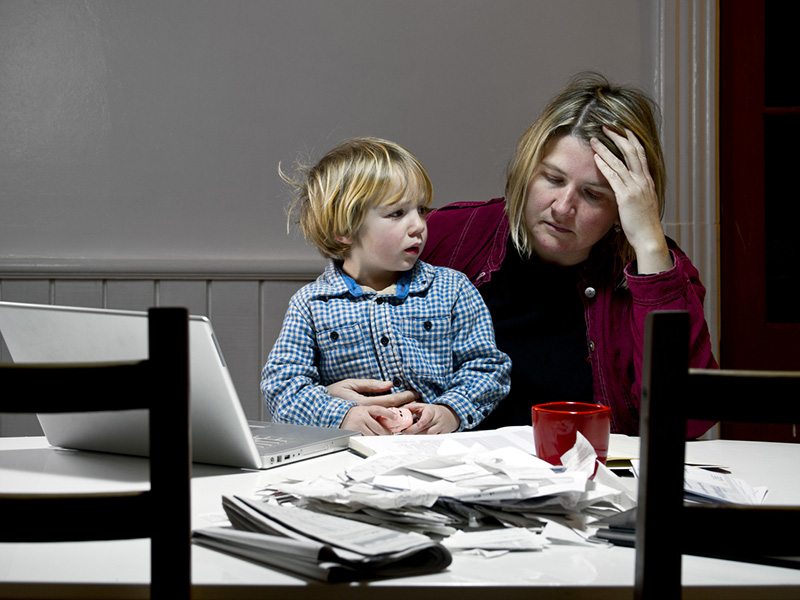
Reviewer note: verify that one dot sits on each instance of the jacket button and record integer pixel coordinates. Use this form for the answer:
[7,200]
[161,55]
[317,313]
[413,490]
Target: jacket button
[591,346]
[385,340]
[427,325]
[396,382]
[590,292]
[334,336]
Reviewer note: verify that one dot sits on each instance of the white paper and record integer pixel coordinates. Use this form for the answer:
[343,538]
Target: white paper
[503,481]
[559,533]
[720,487]
[507,538]
[581,457]
[451,443]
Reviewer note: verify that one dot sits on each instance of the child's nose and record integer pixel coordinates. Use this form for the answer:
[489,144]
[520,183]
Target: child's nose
[418,224]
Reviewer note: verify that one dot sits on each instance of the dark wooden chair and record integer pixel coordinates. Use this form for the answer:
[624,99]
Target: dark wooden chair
[162,513]
[666,529]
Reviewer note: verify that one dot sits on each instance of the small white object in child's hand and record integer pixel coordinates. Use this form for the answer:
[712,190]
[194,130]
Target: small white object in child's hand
[403,419]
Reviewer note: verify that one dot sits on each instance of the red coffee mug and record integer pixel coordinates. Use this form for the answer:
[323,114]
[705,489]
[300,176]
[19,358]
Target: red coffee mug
[555,425]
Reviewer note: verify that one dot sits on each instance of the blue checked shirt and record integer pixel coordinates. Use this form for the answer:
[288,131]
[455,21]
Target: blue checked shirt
[434,336]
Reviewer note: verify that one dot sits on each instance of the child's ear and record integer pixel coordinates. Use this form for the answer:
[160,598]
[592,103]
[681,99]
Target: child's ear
[344,240]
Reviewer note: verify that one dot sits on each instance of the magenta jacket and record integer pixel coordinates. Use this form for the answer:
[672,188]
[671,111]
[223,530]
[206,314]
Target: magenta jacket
[472,237]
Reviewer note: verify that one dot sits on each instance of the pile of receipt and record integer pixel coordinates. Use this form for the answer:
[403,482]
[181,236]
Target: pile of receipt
[465,490]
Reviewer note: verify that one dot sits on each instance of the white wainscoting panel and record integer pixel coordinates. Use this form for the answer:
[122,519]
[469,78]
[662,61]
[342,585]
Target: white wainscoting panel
[246,308]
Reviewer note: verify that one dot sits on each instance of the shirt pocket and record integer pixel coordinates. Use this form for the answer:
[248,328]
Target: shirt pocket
[429,349]
[344,352]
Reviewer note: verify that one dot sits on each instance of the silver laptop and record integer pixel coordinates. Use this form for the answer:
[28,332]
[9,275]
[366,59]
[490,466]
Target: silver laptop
[221,434]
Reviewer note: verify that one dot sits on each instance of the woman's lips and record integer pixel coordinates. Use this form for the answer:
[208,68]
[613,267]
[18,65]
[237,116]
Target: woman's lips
[557,228]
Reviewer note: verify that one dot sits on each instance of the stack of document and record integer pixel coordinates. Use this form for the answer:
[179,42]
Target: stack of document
[438,485]
[320,547]
[704,487]
[701,486]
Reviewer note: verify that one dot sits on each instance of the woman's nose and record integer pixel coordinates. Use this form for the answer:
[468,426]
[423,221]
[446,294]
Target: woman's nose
[565,202]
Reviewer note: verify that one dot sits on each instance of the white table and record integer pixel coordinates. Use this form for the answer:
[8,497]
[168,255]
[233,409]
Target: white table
[121,569]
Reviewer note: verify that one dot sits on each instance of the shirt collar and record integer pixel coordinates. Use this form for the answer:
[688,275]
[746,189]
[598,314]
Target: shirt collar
[400,290]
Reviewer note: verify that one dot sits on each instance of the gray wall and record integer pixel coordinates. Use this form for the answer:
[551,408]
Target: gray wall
[140,140]
[154,129]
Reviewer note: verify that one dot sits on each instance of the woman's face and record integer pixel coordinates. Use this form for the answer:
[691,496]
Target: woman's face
[569,205]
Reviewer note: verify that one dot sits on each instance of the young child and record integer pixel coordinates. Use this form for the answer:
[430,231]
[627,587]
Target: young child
[377,312]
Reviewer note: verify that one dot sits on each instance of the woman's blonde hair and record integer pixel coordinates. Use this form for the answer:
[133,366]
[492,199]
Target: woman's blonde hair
[333,197]
[581,109]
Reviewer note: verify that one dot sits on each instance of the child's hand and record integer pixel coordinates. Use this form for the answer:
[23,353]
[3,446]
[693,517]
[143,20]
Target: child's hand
[353,390]
[365,419]
[404,419]
[432,419]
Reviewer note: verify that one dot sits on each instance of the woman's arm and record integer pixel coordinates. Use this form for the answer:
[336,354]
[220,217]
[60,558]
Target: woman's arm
[679,288]
[370,392]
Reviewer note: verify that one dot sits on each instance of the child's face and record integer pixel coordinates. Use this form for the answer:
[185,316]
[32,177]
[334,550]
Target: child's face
[389,241]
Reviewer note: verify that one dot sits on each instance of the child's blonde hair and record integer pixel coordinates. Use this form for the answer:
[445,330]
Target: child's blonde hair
[334,195]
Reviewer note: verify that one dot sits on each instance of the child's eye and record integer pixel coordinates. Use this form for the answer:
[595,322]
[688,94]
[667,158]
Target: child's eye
[424,211]
[396,214]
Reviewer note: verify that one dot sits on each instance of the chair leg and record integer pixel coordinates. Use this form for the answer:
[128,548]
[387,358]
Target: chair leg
[170,457]
[663,430]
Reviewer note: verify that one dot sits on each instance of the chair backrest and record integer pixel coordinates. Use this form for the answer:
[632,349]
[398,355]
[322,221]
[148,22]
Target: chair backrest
[160,384]
[672,393]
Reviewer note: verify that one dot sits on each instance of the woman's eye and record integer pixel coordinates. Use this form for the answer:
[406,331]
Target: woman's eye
[593,195]
[553,179]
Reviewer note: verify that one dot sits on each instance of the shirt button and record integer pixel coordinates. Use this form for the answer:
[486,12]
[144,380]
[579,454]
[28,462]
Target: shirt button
[385,340]
[334,336]
[379,300]
[427,325]
[590,292]
[396,382]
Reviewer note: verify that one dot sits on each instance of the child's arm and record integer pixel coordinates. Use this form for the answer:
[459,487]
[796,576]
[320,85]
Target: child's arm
[481,372]
[290,381]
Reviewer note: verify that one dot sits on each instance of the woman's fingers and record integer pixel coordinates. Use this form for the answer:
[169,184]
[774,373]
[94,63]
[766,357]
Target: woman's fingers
[637,200]
[630,180]
[632,150]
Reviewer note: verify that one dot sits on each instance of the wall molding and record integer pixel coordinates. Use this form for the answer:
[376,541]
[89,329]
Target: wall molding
[288,269]
[684,80]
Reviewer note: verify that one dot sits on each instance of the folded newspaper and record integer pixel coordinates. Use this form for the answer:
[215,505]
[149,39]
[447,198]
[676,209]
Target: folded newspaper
[319,546]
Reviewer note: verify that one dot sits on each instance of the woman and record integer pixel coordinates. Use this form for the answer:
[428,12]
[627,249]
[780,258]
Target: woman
[574,257]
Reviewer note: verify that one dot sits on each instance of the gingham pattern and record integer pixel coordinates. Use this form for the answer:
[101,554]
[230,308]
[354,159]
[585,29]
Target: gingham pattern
[439,341]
